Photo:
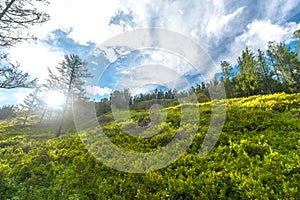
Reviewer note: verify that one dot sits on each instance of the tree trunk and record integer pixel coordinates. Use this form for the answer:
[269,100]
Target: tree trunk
[50,115]
[43,115]
[26,116]
[58,132]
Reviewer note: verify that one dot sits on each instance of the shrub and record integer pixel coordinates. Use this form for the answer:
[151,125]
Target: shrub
[7,111]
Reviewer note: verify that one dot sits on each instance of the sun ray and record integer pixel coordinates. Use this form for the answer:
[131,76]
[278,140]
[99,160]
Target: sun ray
[55,99]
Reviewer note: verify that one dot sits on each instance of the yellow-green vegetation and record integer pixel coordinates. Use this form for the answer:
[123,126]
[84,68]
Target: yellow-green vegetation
[257,157]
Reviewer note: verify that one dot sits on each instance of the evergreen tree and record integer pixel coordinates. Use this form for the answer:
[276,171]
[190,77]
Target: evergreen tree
[265,73]
[297,37]
[286,64]
[120,99]
[247,77]
[7,111]
[160,94]
[29,103]
[69,79]
[226,71]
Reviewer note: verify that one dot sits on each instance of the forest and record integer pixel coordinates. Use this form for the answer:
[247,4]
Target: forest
[257,155]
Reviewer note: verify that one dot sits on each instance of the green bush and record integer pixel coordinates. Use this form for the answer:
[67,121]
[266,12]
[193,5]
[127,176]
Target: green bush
[256,157]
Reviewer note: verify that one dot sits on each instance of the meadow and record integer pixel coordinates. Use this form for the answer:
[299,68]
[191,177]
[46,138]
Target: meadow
[256,157]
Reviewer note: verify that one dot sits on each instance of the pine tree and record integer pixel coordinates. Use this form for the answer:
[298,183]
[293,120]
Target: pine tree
[7,111]
[297,37]
[30,103]
[286,64]
[69,79]
[264,73]
[226,71]
[248,76]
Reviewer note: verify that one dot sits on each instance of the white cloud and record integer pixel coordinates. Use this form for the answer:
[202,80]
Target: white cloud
[109,54]
[88,20]
[35,58]
[214,24]
[257,35]
[5,98]
[97,90]
[145,76]
[258,32]
[221,27]
[278,9]
[217,23]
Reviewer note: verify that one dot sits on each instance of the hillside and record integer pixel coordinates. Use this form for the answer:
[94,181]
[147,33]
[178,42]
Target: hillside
[256,157]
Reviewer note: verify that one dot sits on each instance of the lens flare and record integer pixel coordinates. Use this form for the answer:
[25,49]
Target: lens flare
[55,99]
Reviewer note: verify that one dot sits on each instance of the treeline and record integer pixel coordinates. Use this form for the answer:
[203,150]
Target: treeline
[276,70]
[260,72]
[257,72]
[142,101]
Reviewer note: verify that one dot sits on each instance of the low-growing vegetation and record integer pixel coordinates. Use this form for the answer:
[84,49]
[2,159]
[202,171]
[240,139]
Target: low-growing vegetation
[256,157]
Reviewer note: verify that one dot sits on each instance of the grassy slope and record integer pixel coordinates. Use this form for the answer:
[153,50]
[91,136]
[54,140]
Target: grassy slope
[257,156]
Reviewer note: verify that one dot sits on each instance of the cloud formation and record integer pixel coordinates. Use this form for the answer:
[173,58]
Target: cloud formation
[97,90]
[36,58]
[85,21]
[73,24]
[223,28]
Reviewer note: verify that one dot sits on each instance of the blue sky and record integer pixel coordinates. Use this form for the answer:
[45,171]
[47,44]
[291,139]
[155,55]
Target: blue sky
[222,28]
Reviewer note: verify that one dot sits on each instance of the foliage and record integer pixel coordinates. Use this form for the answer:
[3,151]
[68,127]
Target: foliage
[256,157]
[275,70]
[11,77]
[16,17]
[8,111]
[30,104]
[69,79]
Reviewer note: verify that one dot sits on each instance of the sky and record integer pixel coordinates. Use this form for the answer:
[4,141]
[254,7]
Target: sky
[221,28]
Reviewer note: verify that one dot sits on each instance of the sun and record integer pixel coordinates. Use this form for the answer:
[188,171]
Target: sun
[55,99]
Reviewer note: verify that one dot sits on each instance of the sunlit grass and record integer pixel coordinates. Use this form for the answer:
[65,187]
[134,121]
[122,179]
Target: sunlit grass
[256,156]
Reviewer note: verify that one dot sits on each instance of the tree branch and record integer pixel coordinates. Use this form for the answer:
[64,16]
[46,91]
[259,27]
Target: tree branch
[6,8]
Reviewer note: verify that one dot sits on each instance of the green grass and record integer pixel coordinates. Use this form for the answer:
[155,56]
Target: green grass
[256,157]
